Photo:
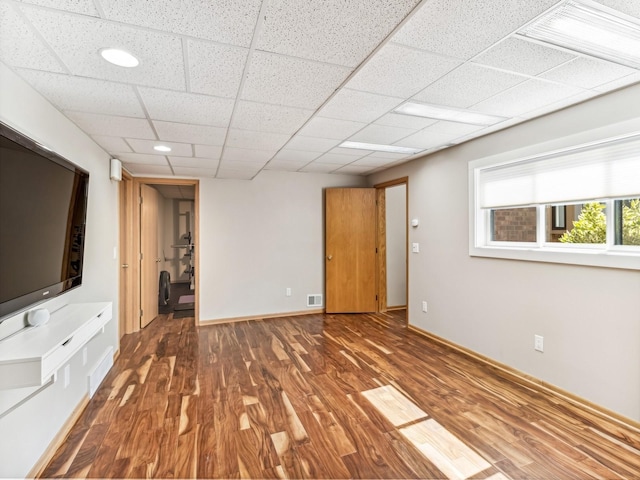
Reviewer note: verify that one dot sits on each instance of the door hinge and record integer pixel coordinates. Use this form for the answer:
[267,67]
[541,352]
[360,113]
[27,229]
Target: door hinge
[141,255]
[141,312]
[376,250]
[376,297]
[140,198]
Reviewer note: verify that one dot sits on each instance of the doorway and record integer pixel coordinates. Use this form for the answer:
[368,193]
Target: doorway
[161,251]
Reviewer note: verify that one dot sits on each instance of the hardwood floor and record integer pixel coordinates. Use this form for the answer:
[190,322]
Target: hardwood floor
[327,396]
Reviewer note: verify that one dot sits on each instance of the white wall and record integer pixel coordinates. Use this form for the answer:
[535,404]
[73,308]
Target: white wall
[396,230]
[589,316]
[28,429]
[260,237]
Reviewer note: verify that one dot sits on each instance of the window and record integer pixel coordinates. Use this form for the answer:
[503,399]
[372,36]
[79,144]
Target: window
[578,205]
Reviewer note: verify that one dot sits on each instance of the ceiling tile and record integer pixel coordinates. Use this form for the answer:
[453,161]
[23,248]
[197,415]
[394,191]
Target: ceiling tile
[187,107]
[215,69]
[588,72]
[112,144]
[311,144]
[84,7]
[208,151]
[209,163]
[246,155]
[354,169]
[358,106]
[264,117]
[465,28]
[111,125]
[189,133]
[291,81]
[142,158]
[256,140]
[20,46]
[467,86]
[330,128]
[453,128]
[401,71]
[381,134]
[524,97]
[332,31]
[195,171]
[285,166]
[320,168]
[143,169]
[388,155]
[352,152]
[335,158]
[286,155]
[77,41]
[625,6]
[85,94]
[623,82]
[146,146]
[426,139]
[404,121]
[223,21]
[370,162]
[231,174]
[523,56]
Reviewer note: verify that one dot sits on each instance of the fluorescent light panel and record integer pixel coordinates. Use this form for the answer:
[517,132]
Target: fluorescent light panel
[592,29]
[438,112]
[380,148]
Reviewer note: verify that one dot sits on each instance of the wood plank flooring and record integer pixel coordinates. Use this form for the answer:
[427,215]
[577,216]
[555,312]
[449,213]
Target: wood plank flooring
[327,396]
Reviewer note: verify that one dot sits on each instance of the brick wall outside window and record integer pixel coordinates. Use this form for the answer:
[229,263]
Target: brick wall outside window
[514,225]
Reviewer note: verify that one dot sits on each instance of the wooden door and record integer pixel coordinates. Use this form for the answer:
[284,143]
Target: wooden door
[127,254]
[149,260]
[350,250]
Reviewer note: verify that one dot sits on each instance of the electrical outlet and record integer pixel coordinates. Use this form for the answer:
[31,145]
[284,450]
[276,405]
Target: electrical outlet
[288,293]
[538,343]
[424,306]
[415,247]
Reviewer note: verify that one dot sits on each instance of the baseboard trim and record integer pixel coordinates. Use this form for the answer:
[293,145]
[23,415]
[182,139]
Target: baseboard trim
[530,381]
[261,317]
[396,307]
[58,440]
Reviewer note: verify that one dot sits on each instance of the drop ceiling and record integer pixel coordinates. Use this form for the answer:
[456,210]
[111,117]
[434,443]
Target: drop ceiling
[239,87]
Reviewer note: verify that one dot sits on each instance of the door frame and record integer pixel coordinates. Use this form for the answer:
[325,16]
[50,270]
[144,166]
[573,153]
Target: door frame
[381,240]
[131,298]
[126,307]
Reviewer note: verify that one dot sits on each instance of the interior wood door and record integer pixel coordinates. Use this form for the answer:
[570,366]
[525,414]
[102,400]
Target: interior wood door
[127,254]
[350,250]
[149,259]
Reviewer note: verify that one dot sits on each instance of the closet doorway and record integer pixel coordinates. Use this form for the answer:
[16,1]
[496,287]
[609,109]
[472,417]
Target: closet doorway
[163,263]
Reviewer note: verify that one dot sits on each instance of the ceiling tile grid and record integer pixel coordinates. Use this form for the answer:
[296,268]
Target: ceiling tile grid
[237,87]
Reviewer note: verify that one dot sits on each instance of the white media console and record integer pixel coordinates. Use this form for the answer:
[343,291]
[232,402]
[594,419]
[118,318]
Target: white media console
[32,356]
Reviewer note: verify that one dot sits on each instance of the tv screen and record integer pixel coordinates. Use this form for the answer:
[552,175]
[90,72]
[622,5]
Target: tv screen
[43,204]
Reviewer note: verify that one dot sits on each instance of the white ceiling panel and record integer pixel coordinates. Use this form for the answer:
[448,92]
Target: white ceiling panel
[588,72]
[283,166]
[381,134]
[294,82]
[623,82]
[426,139]
[629,7]
[404,121]
[352,152]
[187,107]
[286,155]
[465,28]
[231,174]
[146,146]
[400,71]
[246,155]
[333,31]
[208,151]
[189,133]
[144,169]
[77,41]
[112,144]
[111,125]
[320,167]
[358,106]
[388,155]
[523,56]
[453,128]
[210,163]
[85,94]
[372,162]
[142,159]
[354,169]
[84,7]
[468,85]
[215,69]
[331,128]
[257,140]
[335,158]
[311,144]
[195,171]
[265,117]
[224,21]
[524,97]
[20,46]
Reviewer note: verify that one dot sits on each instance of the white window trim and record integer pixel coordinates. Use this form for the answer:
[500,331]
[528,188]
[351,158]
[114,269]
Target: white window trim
[611,256]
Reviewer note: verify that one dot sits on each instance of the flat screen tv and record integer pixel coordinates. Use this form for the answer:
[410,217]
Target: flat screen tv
[43,205]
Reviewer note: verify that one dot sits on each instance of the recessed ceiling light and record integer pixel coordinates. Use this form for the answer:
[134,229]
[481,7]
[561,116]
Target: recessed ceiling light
[447,113]
[119,57]
[590,28]
[380,148]
[162,148]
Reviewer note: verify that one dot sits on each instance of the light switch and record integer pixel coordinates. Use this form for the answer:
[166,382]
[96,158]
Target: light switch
[415,247]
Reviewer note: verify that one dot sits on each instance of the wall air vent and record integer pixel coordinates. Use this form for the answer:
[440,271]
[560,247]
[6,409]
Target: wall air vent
[314,300]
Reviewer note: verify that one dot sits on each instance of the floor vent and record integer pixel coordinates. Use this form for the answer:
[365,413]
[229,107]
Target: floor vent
[314,300]
[97,376]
